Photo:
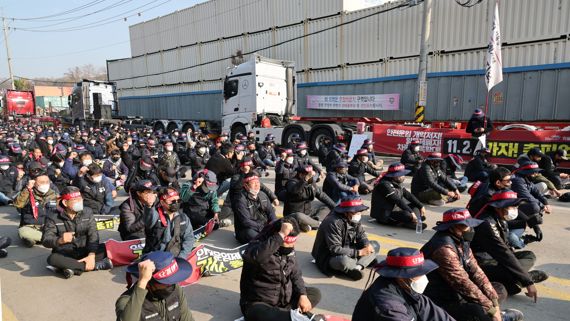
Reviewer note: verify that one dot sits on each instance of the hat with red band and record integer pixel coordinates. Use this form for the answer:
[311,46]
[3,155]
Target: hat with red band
[362,152]
[434,156]
[505,198]
[301,146]
[146,164]
[246,162]
[290,239]
[456,216]
[405,263]
[169,269]
[528,168]
[350,204]
[396,170]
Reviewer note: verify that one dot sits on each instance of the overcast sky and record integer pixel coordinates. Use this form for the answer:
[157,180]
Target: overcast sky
[50,54]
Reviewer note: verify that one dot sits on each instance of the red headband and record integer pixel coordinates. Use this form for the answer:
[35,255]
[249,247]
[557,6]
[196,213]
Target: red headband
[246,163]
[168,195]
[405,261]
[145,164]
[69,196]
[4,160]
[168,271]
[250,178]
[290,239]
[398,168]
[456,216]
[350,203]
[504,196]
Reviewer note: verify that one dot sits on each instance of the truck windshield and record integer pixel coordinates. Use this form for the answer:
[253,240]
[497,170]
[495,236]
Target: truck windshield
[230,88]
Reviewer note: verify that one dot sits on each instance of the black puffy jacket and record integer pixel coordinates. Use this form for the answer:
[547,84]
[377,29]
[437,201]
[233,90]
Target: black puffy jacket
[427,177]
[388,194]
[300,195]
[269,277]
[131,226]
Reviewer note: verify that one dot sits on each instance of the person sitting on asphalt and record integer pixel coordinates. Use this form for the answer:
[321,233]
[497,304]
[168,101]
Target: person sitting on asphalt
[284,171]
[411,157]
[271,284]
[76,160]
[198,157]
[544,183]
[375,164]
[56,174]
[8,180]
[267,151]
[168,158]
[167,176]
[523,185]
[221,164]
[303,159]
[550,166]
[131,226]
[156,295]
[325,146]
[494,253]
[397,295]
[341,245]
[200,200]
[481,192]
[246,166]
[167,228]
[392,204]
[479,167]
[97,190]
[339,183]
[252,209]
[301,191]
[70,231]
[253,155]
[336,154]
[34,203]
[451,163]
[479,124]
[459,285]
[359,167]
[115,169]
[144,170]
[431,185]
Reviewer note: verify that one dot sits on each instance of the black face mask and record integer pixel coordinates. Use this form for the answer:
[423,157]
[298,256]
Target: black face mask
[174,207]
[468,235]
[285,250]
[204,188]
[116,159]
[162,293]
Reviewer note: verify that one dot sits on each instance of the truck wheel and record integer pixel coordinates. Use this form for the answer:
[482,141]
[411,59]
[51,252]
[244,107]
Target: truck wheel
[185,128]
[286,138]
[318,136]
[237,129]
[158,126]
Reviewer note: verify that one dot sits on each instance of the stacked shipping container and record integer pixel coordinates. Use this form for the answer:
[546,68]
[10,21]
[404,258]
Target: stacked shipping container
[382,44]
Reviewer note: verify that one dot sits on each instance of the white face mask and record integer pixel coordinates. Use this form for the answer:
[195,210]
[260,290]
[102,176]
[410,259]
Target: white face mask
[512,214]
[420,284]
[97,179]
[416,148]
[129,143]
[77,207]
[4,167]
[169,148]
[303,152]
[290,160]
[43,188]
[92,142]
[365,159]
[202,150]
[87,162]
[50,141]
[356,218]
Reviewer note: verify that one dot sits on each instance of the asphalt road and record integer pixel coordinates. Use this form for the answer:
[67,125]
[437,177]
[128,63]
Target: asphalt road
[30,292]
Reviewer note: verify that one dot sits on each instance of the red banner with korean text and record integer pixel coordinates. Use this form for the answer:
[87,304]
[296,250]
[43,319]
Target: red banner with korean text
[505,146]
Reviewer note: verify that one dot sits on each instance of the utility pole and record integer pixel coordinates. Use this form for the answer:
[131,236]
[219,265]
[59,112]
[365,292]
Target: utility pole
[8,53]
[421,94]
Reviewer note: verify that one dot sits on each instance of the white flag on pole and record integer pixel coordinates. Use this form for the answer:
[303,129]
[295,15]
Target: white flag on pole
[494,61]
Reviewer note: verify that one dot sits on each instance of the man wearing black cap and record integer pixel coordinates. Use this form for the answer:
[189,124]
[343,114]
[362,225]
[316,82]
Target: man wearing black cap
[168,158]
[337,154]
[34,202]
[97,190]
[143,170]
[267,151]
[494,252]
[156,295]
[115,169]
[549,164]
[8,180]
[271,285]
[303,159]
[359,167]
[252,209]
[301,191]
[411,157]
[167,177]
[479,168]
[71,232]
[198,157]
[325,146]
[377,165]
[392,203]
[284,171]
[397,294]
[459,285]
[200,199]
[479,124]
[341,245]
[339,183]
[167,228]
[221,164]
[141,195]
[431,185]
[523,185]
[542,182]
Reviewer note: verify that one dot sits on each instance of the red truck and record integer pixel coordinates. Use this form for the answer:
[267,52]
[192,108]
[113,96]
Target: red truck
[20,106]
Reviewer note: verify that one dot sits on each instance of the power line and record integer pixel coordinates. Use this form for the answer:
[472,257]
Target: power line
[87,5]
[99,23]
[271,46]
[71,53]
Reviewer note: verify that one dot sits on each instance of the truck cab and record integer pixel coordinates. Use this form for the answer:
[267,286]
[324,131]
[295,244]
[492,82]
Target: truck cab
[93,102]
[256,92]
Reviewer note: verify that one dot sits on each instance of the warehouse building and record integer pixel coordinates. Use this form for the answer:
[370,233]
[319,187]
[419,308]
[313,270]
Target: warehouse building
[178,61]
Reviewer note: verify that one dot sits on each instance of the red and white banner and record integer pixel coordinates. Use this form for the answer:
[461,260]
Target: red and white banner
[354,102]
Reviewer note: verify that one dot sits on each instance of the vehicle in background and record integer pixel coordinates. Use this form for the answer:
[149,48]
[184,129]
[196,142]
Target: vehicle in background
[93,103]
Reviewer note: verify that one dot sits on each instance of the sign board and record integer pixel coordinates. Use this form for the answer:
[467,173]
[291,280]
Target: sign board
[355,143]
[354,102]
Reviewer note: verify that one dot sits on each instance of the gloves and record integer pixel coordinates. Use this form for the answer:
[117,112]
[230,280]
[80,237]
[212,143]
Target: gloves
[538,233]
